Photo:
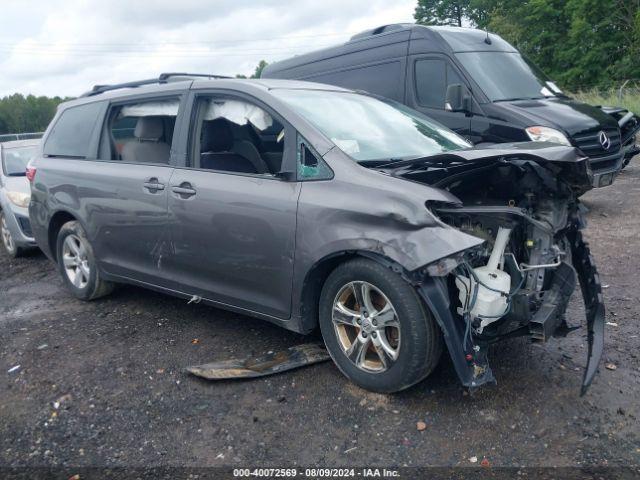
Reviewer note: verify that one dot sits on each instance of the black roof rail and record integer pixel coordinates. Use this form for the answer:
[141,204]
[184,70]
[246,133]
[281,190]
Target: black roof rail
[163,78]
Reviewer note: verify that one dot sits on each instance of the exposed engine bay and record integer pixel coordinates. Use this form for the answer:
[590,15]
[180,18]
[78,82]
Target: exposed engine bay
[519,280]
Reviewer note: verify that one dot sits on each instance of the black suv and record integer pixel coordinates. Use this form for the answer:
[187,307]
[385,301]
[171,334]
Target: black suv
[310,205]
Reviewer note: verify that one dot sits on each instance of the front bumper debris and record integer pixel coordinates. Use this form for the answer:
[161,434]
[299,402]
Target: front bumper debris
[594,305]
[471,363]
[268,364]
[471,366]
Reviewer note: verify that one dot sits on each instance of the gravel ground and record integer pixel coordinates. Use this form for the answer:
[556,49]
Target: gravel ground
[103,383]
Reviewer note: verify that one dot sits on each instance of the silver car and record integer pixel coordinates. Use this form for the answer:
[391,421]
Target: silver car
[15,227]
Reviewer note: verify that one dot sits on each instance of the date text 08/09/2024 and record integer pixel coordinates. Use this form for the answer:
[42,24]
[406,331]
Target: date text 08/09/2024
[316,473]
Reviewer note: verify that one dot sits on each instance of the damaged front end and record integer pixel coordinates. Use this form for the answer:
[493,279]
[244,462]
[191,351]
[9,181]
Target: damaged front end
[523,202]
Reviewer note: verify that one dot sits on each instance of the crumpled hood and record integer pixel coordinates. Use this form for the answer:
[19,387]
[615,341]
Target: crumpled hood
[563,114]
[570,164]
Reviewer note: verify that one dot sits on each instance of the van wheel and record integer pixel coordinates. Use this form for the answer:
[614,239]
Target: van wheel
[77,263]
[377,330]
[7,239]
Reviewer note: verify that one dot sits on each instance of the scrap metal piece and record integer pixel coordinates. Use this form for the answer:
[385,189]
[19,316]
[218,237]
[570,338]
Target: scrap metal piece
[268,364]
[472,373]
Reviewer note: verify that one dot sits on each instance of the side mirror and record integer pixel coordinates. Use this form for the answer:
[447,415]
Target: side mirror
[458,98]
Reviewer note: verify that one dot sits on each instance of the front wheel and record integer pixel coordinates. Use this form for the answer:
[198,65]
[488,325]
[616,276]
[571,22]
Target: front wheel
[7,238]
[77,263]
[376,328]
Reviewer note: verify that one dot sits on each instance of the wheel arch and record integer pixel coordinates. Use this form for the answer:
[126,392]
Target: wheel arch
[58,219]
[320,271]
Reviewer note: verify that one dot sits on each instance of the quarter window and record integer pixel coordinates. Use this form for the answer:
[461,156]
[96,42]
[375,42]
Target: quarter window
[71,134]
[311,166]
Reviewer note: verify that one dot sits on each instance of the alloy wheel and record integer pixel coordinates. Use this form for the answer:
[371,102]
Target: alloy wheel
[7,239]
[367,326]
[75,261]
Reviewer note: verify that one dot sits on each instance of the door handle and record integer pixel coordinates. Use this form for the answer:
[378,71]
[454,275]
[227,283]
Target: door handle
[153,185]
[184,190]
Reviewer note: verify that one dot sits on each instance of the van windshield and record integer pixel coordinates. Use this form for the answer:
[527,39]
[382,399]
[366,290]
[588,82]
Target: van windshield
[507,76]
[368,129]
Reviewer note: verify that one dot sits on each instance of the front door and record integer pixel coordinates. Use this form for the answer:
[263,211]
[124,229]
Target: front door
[233,219]
[428,80]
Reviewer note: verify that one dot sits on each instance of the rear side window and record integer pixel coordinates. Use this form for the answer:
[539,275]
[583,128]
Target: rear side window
[383,79]
[433,76]
[72,132]
[140,131]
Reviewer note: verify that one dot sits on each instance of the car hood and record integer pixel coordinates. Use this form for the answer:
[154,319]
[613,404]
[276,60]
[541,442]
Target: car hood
[538,151]
[564,114]
[570,165]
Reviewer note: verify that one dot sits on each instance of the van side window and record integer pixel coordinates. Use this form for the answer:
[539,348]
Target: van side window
[140,132]
[72,132]
[236,136]
[433,76]
[384,79]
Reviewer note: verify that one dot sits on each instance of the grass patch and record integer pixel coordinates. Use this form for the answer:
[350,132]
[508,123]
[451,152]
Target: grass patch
[629,100]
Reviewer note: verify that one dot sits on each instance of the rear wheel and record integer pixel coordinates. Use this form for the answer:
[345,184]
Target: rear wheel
[376,328]
[77,263]
[7,238]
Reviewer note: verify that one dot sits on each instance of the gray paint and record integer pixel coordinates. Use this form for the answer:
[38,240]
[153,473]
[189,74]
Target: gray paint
[252,243]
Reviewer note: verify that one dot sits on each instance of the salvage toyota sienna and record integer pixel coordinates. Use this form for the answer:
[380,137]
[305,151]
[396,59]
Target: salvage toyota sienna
[309,205]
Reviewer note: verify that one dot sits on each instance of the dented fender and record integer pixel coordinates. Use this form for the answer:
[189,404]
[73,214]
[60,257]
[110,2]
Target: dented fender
[338,216]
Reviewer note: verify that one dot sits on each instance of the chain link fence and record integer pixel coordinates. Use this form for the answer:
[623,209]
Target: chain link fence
[9,137]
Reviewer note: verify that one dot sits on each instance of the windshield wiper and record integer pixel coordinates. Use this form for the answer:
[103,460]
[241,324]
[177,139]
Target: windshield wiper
[518,98]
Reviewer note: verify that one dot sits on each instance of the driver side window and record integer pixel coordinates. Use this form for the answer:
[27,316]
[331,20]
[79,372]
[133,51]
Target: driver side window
[236,136]
[432,77]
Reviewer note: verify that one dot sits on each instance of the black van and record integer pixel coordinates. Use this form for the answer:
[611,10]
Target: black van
[474,83]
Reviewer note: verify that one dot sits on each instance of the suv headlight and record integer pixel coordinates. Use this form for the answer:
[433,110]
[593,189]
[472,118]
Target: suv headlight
[19,199]
[546,134]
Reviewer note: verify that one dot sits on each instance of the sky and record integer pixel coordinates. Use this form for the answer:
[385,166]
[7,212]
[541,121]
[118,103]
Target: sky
[53,47]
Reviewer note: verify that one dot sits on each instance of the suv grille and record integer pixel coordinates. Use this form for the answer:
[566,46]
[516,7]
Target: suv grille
[601,160]
[589,142]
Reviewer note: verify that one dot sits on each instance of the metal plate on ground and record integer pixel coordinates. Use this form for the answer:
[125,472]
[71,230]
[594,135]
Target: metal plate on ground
[268,364]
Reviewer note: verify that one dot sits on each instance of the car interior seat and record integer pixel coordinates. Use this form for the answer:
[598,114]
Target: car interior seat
[220,151]
[147,148]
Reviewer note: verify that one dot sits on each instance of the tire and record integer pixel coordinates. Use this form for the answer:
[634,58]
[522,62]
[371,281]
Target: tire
[8,242]
[72,243]
[407,331]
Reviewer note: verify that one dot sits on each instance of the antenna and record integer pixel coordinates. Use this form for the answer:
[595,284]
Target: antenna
[487,40]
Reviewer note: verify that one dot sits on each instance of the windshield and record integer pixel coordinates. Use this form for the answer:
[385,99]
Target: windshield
[367,129]
[507,76]
[14,160]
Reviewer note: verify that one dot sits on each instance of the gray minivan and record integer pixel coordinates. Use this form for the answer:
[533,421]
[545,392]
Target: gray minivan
[310,205]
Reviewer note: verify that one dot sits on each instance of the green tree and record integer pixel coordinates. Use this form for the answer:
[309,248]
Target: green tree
[258,71]
[20,114]
[579,43]
[450,12]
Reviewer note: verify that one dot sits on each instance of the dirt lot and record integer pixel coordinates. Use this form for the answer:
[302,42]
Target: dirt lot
[116,369]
